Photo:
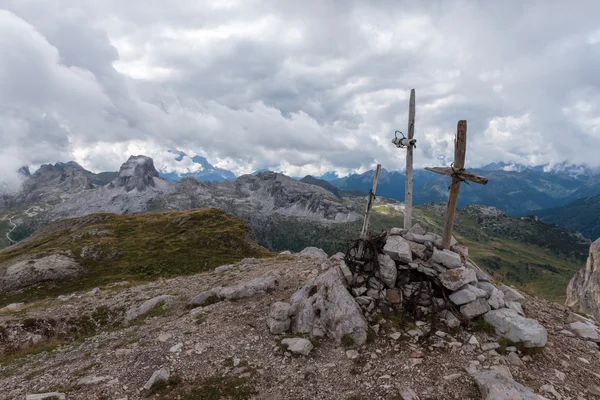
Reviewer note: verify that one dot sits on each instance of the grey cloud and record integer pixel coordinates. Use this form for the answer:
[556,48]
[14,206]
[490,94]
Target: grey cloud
[300,84]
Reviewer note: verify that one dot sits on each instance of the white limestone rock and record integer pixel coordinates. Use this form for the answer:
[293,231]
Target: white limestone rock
[326,308]
[447,258]
[494,385]
[517,328]
[467,294]
[454,279]
[146,306]
[313,252]
[387,270]
[279,320]
[398,249]
[475,308]
[298,345]
[496,299]
[511,294]
[585,330]
[159,375]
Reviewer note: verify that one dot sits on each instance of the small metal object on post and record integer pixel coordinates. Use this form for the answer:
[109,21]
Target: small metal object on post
[459,174]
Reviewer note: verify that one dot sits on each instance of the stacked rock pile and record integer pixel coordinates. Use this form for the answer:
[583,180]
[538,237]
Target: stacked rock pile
[407,270]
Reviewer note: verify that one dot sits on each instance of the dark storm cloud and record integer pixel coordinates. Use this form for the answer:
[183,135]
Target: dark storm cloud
[302,86]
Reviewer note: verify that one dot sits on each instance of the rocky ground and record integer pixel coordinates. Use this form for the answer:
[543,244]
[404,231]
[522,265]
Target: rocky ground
[224,349]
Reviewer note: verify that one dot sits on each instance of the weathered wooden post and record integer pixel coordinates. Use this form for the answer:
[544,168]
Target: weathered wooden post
[459,174]
[365,227]
[409,163]
[409,143]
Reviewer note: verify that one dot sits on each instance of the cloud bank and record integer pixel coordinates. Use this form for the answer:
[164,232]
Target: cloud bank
[303,87]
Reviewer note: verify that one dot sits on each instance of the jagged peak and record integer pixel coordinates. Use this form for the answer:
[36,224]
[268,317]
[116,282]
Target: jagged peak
[24,171]
[137,172]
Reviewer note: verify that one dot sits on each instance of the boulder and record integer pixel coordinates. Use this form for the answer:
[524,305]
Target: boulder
[475,308]
[446,257]
[146,306]
[422,239]
[279,318]
[298,345]
[585,330]
[397,231]
[517,328]
[159,375]
[224,268]
[494,385]
[387,270]
[35,270]
[417,229]
[511,294]
[583,292]
[202,297]
[488,287]
[454,279]
[398,249]
[326,308]
[313,252]
[516,307]
[450,319]
[260,285]
[496,299]
[346,272]
[418,250]
[466,295]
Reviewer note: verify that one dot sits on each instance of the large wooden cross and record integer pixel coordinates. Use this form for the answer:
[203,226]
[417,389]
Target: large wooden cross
[459,174]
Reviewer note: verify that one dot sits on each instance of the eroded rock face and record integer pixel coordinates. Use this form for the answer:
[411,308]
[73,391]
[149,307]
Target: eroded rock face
[32,271]
[326,308]
[583,292]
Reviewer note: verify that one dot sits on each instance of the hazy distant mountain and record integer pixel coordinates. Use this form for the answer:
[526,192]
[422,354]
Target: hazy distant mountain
[197,167]
[513,188]
[581,215]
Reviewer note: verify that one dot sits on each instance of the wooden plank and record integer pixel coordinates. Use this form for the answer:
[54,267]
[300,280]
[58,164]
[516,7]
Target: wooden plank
[460,150]
[408,206]
[365,227]
[466,175]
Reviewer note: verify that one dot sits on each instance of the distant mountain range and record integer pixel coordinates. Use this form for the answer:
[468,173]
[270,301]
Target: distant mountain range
[582,215]
[514,189]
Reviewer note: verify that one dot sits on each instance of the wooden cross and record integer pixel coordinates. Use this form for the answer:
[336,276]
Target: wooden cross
[459,174]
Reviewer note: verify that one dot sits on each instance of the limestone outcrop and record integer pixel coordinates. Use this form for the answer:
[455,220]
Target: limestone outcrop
[583,292]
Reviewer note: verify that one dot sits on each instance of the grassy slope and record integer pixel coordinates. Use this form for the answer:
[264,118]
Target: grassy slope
[139,247]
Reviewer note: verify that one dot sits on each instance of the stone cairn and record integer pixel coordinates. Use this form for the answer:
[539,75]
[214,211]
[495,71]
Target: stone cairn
[403,271]
[406,270]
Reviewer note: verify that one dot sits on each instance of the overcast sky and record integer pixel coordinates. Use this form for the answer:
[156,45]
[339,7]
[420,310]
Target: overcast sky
[299,86]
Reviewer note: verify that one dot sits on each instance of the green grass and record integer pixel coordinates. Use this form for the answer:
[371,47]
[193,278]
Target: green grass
[138,248]
[226,387]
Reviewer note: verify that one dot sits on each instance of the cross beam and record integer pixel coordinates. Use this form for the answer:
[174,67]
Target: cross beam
[458,174]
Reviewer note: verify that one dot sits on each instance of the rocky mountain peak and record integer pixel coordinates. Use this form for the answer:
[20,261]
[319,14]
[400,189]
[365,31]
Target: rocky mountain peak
[583,292]
[24,171]
[137,172]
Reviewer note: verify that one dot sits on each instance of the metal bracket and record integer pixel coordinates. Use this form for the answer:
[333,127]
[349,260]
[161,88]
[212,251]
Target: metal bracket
[403,142]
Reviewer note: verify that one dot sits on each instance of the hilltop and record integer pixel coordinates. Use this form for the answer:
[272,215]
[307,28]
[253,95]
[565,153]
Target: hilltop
[144,341]
[97,249]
